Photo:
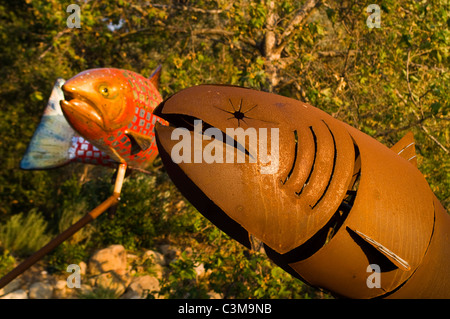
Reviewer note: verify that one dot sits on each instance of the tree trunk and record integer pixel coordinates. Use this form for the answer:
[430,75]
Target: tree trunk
[274,44]
[269,49]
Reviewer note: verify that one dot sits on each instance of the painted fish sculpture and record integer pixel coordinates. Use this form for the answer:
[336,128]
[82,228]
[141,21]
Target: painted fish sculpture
[100,116]
[339,210]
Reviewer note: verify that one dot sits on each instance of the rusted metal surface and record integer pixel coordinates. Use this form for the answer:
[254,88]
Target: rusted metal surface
[338,202]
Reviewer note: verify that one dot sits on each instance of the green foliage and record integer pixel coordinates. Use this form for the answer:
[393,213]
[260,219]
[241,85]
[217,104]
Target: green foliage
[230,270]
[251,275]
[100,292]
[133,222]
[182,281]
[24,234]
[7,263]
[65,254]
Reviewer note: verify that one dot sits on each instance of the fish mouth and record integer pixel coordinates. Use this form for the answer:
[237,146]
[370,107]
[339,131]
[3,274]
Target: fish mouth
[80,110]
[189,122]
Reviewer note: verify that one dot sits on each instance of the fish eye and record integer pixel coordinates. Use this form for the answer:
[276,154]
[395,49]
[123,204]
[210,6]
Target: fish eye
[104,90]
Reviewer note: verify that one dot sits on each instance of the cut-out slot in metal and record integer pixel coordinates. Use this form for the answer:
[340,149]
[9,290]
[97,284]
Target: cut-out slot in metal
[332,170]
[325,234]
[188,122]
[314,162]
[295,157]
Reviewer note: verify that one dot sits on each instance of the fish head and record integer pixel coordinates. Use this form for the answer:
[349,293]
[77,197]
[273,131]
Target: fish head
[283,191]
[97,102]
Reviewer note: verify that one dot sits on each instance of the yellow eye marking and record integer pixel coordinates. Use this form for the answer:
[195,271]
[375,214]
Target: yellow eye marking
[104,90]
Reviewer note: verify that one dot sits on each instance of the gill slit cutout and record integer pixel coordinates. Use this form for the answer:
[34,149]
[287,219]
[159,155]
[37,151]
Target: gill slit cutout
[313,164]
[295,158]
[332,170]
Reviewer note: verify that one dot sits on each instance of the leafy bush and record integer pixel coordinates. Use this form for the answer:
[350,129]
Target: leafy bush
[71,215]
[7,262]
[182,282]
[100,292]
[24,235]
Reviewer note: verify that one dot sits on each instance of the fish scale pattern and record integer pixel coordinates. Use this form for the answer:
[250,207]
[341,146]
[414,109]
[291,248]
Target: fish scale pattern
[84,152]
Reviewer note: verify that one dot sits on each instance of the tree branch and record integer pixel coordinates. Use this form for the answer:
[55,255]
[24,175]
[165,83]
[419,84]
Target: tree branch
[407,80]
[434,139]
[185,8]
[270,36]
[402,128]
[51,46]
[299,17]
[221,32]
[194,32]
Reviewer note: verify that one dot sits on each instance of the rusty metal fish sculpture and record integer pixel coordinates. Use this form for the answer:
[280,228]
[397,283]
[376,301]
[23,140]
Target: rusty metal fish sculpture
[335,205]
[100,116]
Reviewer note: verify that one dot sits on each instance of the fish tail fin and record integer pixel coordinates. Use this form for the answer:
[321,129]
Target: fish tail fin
[51,143]
[406,148]
[154,78]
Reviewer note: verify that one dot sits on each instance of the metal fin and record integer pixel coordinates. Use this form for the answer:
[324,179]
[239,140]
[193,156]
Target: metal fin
[139,142]
[389,254]
[154,78]
[405,148]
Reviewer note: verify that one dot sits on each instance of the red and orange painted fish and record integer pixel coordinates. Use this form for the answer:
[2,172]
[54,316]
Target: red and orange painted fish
[100,116]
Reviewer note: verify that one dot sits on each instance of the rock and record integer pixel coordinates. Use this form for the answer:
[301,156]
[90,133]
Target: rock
[60,284]
[112,281]
[10,287]
[131,294]
[85,289]
[170,253]
[131,257]
[83,268]
[141,286]
[41,290]
[152,262]
[110,268]
[157,270]
[112,258]
[16,294]
[214,295]
[164,249]
[60,290]
[180,205]
[200,270]
[156,257]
